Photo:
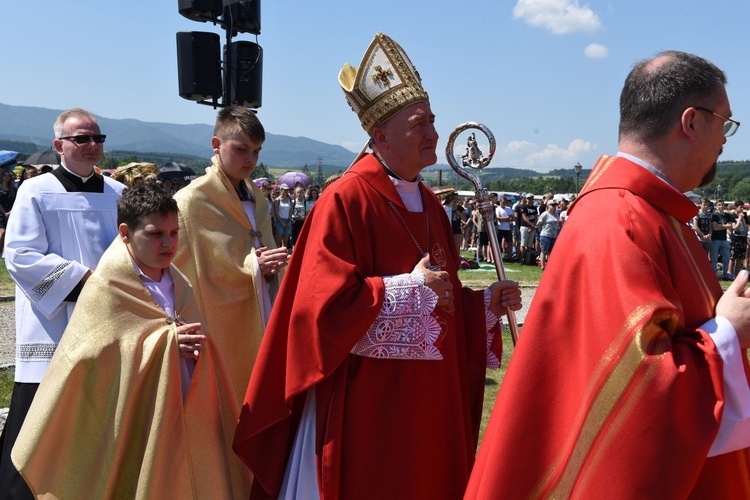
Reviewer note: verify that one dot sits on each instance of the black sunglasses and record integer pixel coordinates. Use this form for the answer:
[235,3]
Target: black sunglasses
[84,139]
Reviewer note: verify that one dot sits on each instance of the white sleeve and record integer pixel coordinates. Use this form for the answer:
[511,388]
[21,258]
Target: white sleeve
[404,329]
[44,277]
[734,429]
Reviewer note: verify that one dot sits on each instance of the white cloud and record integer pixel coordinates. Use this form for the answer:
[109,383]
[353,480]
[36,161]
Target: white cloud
[517,146]
[561,17]
[596,51]
[554,155]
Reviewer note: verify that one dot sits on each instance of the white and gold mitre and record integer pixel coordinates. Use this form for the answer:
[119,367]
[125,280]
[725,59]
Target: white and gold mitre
[385,83]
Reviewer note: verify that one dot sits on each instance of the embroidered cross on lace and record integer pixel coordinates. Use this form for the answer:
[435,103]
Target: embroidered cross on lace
[404,329]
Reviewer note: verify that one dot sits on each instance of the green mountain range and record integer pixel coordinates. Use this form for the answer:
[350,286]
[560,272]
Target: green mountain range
[24,124]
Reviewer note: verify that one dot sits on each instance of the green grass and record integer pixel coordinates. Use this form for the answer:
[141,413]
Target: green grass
[493,380]
[6,386]
[7,287]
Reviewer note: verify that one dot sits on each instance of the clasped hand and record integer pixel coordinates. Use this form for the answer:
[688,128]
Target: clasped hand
[271,261]
[190,340]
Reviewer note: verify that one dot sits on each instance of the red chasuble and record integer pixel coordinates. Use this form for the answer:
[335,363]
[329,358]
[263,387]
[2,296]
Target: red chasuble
[613,391]
[385,428]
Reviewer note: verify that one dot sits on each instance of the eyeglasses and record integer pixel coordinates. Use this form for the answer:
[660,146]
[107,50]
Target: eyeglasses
[85,139]
[730,126]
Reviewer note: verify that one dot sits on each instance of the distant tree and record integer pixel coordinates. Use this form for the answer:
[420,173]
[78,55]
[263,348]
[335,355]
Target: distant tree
[261,170]
[19,146]
[741,190]
[109,163]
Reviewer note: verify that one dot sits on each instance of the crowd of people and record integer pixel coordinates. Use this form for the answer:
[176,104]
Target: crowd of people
[170,346]
[723,234]
[526,229]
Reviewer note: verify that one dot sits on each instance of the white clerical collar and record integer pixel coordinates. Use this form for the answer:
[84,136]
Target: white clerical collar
[409,193]
[648,167]
[84,179]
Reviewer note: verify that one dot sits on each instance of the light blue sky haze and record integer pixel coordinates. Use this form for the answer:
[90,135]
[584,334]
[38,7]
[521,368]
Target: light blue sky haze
[543,75]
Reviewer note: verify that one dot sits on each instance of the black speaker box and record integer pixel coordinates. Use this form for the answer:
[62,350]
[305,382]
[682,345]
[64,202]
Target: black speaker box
[201,10]
[246,88]
[242,16]
[199,65]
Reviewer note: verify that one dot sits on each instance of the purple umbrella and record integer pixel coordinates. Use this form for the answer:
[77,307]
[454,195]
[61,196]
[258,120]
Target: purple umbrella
[260,180]
[292,178]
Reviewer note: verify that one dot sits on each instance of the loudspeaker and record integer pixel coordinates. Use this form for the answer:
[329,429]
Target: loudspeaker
[242,16]
[246,87]
[201,10]
[199,65]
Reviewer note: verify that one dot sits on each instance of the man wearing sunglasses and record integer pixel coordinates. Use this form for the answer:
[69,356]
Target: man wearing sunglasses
[63,221]
[631,378]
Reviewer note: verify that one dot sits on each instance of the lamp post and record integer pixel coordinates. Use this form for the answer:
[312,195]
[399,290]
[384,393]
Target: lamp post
[578,169]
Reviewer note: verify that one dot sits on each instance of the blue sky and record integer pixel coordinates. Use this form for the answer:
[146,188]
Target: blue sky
[543,75]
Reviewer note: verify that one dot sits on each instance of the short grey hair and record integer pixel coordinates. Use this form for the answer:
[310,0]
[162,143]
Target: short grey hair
[70,113]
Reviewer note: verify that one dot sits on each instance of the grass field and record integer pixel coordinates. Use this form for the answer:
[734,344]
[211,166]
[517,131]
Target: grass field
[7,287]
[6,387]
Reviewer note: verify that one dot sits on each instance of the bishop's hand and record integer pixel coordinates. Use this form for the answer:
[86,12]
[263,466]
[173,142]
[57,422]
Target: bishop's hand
[734,305]
[504,296]
[437,281]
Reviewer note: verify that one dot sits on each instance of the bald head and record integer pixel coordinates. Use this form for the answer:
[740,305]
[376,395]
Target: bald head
[658,90]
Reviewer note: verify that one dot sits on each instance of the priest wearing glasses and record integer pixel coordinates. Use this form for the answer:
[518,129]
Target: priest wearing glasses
[62,223]
[370,377]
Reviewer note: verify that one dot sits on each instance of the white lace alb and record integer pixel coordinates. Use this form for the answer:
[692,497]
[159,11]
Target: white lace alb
[404,329]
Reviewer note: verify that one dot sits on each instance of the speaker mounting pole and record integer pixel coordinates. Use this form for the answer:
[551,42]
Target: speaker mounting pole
[235,16]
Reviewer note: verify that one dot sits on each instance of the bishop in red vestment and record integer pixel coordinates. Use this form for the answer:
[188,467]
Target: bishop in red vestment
[396,379]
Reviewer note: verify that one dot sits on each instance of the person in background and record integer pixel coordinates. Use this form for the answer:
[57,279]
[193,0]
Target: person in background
[468,224]
[505,216]
[331,179]
[702,225]
[311,196]
[631,378]
[563,201]
[483,253]
[456,216]
[549,228]
[299,213]
[721,222]
[62,223]
[738,238]
[7,197]
[282,214]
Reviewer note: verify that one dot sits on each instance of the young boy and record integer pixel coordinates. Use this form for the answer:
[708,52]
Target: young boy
[136,401]
[227,248]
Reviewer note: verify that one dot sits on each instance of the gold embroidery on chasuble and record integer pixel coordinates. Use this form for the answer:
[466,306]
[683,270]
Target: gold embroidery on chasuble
[707,298]
[443,329]
[618,382]
[440,256]
[601,166]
